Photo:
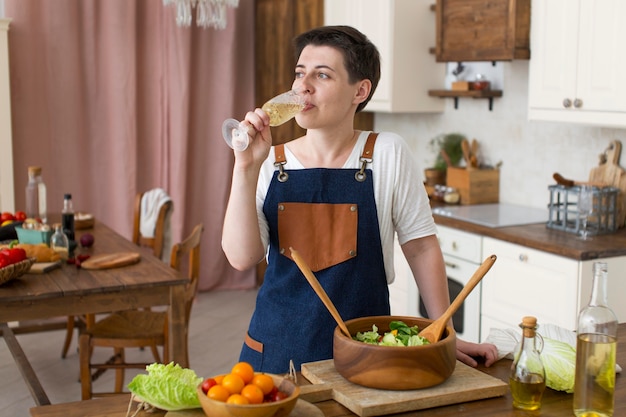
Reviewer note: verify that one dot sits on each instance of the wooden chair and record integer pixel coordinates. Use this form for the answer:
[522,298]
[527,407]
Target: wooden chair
[156,243]
[137,328]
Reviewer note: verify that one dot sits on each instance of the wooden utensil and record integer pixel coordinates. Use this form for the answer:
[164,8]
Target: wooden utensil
[434,331]
[317,287]
[610,173]
[111,260]
[570,183]
[467,153]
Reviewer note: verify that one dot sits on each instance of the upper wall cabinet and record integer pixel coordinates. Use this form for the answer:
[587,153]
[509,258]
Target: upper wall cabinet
[576,73]
[403,31]
[483,30]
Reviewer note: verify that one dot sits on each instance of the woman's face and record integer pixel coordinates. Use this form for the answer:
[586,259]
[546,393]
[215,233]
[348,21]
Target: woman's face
[323,78]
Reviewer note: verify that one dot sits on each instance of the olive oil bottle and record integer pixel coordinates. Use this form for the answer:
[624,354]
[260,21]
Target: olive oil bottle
[596,347]
[528,377]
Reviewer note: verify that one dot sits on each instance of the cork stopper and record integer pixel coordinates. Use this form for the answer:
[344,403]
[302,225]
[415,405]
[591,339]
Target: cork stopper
[34,171]
[529,324]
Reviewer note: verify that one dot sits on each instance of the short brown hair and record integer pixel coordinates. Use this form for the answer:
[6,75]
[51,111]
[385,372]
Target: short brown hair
[360,55]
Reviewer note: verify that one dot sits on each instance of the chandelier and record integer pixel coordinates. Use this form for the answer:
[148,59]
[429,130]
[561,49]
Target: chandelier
[209,13]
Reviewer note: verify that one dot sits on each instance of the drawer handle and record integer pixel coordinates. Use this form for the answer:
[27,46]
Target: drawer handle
[450,265]
[455,246]
[523,257]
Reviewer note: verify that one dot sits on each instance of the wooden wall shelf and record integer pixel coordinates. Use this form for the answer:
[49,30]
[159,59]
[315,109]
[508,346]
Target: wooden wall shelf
[488,94]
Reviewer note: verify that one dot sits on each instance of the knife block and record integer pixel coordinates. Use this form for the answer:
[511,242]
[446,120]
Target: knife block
[476,186]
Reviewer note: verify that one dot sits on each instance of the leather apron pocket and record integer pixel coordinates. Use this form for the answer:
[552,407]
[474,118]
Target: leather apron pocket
[323,234]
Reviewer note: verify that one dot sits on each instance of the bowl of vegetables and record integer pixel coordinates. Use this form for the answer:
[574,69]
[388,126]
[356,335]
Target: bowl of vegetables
[245,393]
[385,352]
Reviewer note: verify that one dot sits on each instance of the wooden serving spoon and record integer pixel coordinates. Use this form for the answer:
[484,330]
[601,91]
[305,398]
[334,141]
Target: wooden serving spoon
[434,330]
[319,290]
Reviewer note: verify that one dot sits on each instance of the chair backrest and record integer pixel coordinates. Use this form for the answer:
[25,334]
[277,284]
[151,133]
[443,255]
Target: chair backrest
[156,243]
[191,247]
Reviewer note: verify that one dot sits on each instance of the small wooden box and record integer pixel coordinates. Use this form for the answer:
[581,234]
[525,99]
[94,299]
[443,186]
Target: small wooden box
[476,186]
[460,85]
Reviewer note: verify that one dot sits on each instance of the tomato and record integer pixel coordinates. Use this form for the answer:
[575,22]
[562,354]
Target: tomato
[6,216]
[20,216]
[207,384]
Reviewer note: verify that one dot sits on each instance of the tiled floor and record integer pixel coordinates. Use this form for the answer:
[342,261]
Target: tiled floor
[218,324]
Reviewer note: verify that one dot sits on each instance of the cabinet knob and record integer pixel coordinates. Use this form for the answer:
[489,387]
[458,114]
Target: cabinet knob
[578,103]
[523,257]
[454,246]
[567,103]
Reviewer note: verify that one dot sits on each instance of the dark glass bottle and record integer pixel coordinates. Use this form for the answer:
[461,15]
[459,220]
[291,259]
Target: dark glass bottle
[528,376]
[67,217]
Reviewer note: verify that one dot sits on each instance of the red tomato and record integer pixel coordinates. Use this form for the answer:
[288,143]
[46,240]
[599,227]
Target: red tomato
[6,216]
[20,216]
[207,384]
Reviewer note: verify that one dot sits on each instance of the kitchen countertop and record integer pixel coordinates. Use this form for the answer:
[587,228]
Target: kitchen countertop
[538,236]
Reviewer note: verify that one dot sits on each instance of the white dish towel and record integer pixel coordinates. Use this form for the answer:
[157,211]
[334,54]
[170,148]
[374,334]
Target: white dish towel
[151,203]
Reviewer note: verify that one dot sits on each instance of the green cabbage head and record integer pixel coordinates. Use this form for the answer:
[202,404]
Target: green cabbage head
[559,362]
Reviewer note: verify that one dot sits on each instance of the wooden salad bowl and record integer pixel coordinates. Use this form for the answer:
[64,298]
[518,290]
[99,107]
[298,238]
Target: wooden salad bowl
[393,367]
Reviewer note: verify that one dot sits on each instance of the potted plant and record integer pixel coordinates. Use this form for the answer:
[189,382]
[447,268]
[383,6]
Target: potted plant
[449,152]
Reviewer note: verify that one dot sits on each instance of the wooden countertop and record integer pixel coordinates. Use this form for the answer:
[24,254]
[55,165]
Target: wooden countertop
[554,403]
[538,236]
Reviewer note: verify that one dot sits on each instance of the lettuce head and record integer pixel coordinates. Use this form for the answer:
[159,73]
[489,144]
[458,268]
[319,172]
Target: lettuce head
[559,362]
[168,387]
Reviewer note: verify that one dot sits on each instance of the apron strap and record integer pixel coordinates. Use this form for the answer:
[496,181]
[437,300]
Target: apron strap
[366,156]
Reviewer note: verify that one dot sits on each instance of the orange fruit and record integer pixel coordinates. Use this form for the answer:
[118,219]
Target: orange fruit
[253,394]
[218,393]
[263,381]
[237,399]
[244,370]
[233,383]
[219,378]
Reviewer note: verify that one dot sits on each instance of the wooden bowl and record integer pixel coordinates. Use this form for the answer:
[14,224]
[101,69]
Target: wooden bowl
[393,367]
[283,408]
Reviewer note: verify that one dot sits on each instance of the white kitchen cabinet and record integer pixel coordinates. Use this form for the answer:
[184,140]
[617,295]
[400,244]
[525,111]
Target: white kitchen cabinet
[7,199]
[577,62]
[525,281]
[403,31]
[403,295]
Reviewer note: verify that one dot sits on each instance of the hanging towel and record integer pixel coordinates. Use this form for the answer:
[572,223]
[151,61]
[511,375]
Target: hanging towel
[151,203]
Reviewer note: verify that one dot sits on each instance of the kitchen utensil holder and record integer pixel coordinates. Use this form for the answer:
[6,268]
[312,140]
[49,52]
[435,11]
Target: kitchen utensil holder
[564,212]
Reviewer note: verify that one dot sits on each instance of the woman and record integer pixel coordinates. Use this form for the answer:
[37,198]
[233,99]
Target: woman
[344,195]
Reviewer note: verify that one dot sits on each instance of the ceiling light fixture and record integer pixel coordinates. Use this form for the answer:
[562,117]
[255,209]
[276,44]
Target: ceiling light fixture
[209,13]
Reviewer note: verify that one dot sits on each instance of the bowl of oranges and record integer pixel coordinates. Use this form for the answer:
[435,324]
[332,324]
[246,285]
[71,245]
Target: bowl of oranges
[246,393]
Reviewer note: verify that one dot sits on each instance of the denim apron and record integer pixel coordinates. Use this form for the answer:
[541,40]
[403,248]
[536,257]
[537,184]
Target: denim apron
[329,216]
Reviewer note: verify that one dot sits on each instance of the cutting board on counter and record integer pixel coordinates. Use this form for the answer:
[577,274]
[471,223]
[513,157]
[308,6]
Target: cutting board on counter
[465,384]
[610,173]
[111,260]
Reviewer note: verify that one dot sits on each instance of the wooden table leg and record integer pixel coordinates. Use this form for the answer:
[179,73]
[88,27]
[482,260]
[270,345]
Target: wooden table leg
[178,327]
[36,390]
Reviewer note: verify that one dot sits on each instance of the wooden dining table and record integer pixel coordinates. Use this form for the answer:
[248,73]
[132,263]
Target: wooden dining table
[554,403]
[71,291]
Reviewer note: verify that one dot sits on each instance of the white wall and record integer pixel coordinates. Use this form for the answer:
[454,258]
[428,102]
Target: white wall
[530,151]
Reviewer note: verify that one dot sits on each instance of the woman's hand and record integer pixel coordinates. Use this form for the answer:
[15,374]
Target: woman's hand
[467,351]
[257,123]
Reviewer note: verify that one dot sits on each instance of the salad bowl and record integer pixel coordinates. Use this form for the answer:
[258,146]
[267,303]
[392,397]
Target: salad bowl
[393,367]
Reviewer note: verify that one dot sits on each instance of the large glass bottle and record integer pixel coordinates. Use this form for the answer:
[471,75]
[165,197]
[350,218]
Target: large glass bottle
[528,377]
[36,207]
[594,386]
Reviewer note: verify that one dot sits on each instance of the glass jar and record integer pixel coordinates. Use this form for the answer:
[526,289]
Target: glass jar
[36,207]
[59,242]
[528,377]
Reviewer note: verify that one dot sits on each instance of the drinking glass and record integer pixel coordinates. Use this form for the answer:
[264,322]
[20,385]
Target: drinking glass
[585,208]
[280,109]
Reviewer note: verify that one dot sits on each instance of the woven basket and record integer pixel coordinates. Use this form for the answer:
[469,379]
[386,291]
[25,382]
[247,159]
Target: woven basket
[15,270]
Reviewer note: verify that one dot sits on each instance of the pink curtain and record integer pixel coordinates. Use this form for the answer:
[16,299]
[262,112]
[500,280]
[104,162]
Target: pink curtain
[112,98]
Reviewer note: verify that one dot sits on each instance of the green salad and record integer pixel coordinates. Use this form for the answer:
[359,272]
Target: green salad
[399,335]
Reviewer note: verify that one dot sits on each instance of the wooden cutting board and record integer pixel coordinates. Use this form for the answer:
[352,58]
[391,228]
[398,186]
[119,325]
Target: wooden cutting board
[111,260]
[610,173]
[465,384]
